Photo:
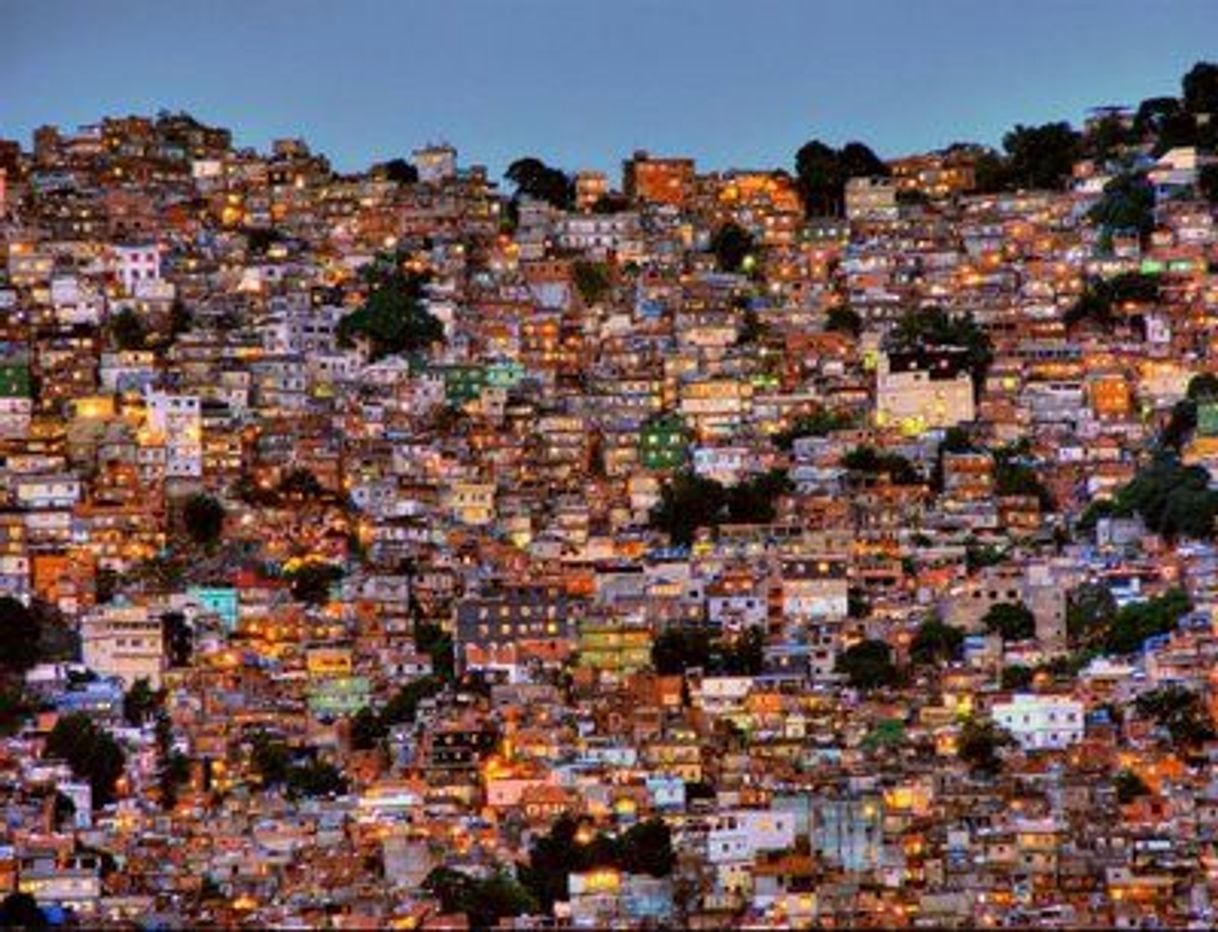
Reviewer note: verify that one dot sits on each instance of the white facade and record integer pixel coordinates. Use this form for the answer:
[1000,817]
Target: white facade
[600,235]
[435,163]
[743,833]
[722,695]
[134,264]
[917,400]
[126,642]
[38,492]
[1041,722]
[15,415]
[175,423]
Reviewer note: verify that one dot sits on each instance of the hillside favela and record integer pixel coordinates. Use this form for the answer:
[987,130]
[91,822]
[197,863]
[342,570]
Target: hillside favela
[822,543]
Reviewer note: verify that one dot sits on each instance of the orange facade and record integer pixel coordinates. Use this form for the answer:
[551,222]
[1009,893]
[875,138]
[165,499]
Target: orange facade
[659,181]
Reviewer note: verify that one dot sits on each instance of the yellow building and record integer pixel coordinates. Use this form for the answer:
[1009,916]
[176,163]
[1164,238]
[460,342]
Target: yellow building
[614,646]
[921,390]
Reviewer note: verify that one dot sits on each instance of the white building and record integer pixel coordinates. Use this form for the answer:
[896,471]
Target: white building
[124,641]
[871,199]
[1041,723]
[60,490]
[722,695]
[743,833]
[175,423]
[135,264]
[435,164]
[601,235]
[923,390]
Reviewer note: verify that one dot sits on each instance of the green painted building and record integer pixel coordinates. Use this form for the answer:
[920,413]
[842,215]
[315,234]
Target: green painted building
[1207,419]
[221,601]
[14,376]
[340,695]
[505,374]
[663,443]
[463,384]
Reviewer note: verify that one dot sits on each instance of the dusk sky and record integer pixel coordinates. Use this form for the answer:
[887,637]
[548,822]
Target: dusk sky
[582,84]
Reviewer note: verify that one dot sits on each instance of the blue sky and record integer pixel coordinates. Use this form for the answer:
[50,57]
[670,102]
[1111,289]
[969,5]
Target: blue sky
[582,83]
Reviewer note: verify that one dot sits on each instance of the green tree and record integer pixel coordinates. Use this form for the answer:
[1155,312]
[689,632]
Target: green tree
[315,778]
[679,649]
[687,503]
[270,759]
[1107,137]
[174,772]
[1013,621]
[1101,297]
[400,171]
[20,632]
[979,556]
[745,655]
[646,848]
[368,730]
[403,707]
[934,328]
[551,858]
[752,330]
[858,161]
[14,709]
[534,178]
[105,585]
[301,484]
[1180,425]
[1200,88]
[886,733]
[731,243]
[936,643]
[753,501]
[593,281]
[1090,609]
[203,516]
[1181,712]
[90,751]
[1207,182]
[819,175]
[141,702]
[179,639]
[1165,122]
[1129,786]
[1173,500]
[822,172]
[980,745]
[180,320]
[991,171]
[865,459]
[128,330]
[1137,621]
[312,581]
[611,204]
[260,239]
[820,423]
[437,644]
[1042,156]
[393,319]
[21,911]
[486,901]
[868,665]
[1203,387]
[1012,477]
[842,318]
[1016,677]
[1127,206]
